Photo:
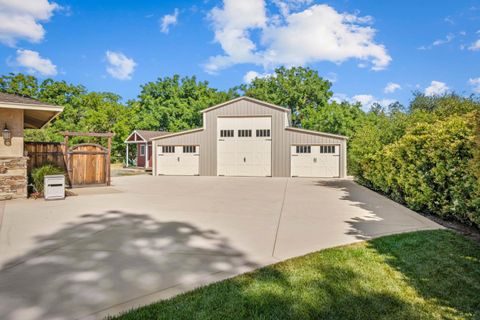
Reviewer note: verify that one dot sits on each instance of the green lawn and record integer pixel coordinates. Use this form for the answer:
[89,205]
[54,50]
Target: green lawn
[420,275]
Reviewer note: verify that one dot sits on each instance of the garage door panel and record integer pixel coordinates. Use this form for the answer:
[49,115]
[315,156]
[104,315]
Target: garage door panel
[246,155]
[178,162]
[316,163]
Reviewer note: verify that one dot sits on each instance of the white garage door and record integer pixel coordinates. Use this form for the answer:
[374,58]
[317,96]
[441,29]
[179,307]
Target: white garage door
[178,160]
[315,161]
[244,146]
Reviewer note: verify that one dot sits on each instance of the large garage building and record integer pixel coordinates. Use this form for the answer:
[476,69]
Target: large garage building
[248,137]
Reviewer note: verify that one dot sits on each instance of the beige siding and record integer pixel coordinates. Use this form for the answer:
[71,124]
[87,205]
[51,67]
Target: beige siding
[282,138]
[296,137]
[14,120]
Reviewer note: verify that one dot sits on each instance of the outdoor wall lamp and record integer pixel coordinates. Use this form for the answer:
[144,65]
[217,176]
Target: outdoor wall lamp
[7,136]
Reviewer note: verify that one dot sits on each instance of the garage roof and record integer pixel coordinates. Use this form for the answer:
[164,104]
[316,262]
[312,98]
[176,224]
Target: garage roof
[270,105]
[146,135]
[36,113]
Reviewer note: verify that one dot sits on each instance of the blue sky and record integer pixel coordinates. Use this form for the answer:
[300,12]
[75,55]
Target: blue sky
[370,50]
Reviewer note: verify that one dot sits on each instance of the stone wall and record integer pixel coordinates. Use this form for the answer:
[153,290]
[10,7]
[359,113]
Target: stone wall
[13,177]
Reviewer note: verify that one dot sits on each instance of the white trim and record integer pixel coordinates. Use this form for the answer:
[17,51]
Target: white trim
[154,159]
[39,107]
[146,155]
[318,133]
[140,151]
[136,141]
[270,105]
[177,134]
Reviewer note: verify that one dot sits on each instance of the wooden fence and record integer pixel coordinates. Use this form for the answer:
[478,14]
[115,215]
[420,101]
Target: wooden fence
[85,164]
[41,153]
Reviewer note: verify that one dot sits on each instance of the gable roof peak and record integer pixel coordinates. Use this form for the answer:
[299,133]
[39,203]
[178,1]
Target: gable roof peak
[267,104]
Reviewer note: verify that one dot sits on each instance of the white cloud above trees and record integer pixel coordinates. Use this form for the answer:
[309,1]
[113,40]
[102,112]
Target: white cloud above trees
[436,88]
[475,83]
[34,63]
[317,33]
[168,21]
[23,20]
[391,87]
[119,65]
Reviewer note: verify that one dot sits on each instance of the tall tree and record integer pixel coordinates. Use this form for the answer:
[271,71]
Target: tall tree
[300,89]
[173,103]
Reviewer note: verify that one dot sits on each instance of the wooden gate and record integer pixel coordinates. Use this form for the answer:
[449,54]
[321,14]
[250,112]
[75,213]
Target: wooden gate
[88,164]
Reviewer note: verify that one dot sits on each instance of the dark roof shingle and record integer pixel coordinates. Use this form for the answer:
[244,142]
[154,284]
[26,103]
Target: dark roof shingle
[146,134]
[15,98]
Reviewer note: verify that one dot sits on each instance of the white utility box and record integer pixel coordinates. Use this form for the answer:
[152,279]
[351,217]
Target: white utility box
[54,187]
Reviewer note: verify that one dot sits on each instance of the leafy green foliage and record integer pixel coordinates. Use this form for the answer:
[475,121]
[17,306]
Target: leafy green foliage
[38,175]
[300,89]
[426,158]
[174,103]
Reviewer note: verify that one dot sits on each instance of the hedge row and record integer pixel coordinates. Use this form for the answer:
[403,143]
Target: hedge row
[432,168]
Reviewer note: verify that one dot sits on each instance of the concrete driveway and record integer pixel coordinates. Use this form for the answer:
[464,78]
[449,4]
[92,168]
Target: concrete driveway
[147,238]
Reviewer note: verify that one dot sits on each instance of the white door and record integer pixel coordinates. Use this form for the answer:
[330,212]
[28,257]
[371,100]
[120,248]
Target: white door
[315,161]
[178,160]
[244,146]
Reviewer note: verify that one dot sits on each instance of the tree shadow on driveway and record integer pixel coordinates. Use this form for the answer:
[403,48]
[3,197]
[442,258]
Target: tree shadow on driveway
[380,216]
[107,259]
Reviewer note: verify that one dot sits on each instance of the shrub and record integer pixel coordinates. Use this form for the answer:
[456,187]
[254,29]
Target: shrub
[430,168]
[39,173]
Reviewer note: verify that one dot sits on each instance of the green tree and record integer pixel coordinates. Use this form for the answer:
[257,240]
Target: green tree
[300,89]
[174,103]
[21,84]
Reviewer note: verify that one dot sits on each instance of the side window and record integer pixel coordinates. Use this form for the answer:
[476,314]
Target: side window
[263,132]
[189,149]
[168,149]
[245,133]
[304,149]
[142,149]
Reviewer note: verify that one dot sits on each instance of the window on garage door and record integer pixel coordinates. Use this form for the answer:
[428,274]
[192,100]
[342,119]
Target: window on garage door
[168,149]
[244,133]
[263,133]
[189,149]
[327,149]
[304,149]
[226,133]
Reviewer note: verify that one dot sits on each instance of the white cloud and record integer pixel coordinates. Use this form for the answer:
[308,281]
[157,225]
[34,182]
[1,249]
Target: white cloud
[120,66]
[391,87]
[436,88]
[250,75]
[168,20]
[366,100]
[475,83]
[475,46]
[318,33]
[447,39]
[231,24]
[22,19]
[35,63]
